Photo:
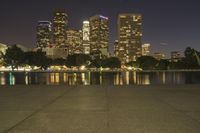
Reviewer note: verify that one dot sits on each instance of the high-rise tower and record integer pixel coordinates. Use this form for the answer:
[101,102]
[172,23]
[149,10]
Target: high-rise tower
[130,36]
[99,34]
[86,37]
[60,22]
[74,41]
[43,34]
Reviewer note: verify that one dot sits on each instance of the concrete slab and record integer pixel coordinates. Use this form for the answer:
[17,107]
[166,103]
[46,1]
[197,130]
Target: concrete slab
[100,109]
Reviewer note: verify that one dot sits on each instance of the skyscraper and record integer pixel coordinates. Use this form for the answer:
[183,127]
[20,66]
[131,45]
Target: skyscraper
[146,49]
[74,41]
[130,36]
[86,37]
[60,22]
[43,34]
[159,56]
[99,34]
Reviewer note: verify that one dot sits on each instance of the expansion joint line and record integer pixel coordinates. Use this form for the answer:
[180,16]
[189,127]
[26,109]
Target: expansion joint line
[37,111]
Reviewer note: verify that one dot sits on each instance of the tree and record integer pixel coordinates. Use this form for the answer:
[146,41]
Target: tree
[190,59]
[42,60]
[14,57]
[112,62]
[133,64]
[59,62]
[78,60]
[147,62]
[162,64]
[38,59]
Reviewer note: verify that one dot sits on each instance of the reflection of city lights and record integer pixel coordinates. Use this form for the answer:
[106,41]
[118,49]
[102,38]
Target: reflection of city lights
[82,68]
[52,80]
[127,78]
[83,79]
[146,79]
[57,77]
[134,77]
[26,79]
[100,79]
[11,79]
[164,78]
[65,77]
[116,79]
[3,79]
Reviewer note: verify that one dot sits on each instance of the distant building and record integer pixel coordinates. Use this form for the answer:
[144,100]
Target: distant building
[60,22]
[116,48]
[99,34]
[3,49]
[146,49]
[55,53]
[43,34]
[74,41]
[159,56]
[86,37]
[130,36]
[176,56]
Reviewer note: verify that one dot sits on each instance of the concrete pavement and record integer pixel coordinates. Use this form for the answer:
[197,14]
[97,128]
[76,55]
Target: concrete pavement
[100,109]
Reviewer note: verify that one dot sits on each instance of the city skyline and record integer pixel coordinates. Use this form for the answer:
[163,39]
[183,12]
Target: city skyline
[170,30]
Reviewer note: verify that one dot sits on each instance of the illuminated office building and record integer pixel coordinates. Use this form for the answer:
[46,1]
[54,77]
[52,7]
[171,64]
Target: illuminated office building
[99,34]
[60,22]
[86,37]
[159,56]
[43,34]
[74,41]
[3,49]
[130,36]
[146,49]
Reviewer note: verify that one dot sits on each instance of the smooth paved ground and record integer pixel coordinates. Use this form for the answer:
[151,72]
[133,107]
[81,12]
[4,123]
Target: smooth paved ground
[100,109]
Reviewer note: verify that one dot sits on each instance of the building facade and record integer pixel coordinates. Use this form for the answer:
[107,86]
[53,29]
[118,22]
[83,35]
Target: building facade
[3,49]
[129,36]
[146,49]
[99,34]
[86,37]
[43,34]
[60,22]
[74,41]
[159,56]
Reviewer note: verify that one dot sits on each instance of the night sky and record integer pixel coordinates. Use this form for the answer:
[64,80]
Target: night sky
[167,24]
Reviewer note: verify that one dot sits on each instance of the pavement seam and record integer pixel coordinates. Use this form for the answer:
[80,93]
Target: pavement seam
[39,110]
[107,108]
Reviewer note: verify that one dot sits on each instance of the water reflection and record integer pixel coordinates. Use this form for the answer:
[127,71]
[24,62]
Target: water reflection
[95,78]
[11,79]
[2,78]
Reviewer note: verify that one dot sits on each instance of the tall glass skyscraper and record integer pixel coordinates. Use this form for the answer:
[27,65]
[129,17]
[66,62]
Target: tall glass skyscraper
[129,36]
[43,34]
[86,37]
[74,41]
[60,22]
[99,34]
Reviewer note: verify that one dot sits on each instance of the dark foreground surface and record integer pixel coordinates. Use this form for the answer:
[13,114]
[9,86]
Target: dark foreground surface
[100,109]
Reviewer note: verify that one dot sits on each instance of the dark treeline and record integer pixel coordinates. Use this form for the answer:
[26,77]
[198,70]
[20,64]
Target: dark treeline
[15,57]
[190,61]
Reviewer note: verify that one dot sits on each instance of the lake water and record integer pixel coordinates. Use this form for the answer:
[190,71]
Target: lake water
[97,78]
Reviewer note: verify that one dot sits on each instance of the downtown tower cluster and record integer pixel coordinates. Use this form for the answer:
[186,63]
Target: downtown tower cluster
[58,40]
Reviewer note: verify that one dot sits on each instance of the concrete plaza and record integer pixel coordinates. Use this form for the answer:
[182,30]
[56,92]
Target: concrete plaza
[100,109]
